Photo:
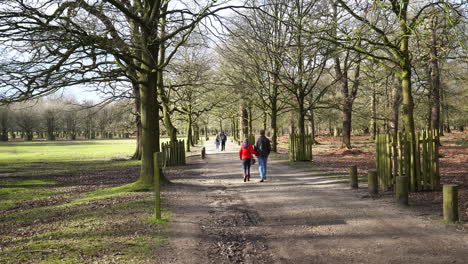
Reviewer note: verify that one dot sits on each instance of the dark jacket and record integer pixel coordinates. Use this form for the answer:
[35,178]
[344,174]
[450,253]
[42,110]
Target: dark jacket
[223,138]
[263,146]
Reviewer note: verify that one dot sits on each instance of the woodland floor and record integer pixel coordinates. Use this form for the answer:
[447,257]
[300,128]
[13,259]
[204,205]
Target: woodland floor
[328,156]
[302,214]
[79,212]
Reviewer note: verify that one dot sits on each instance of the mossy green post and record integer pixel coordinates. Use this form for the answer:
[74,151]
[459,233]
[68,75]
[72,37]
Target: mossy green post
[157,190]
[402,190]
[353,177]
[372,183]
[450,200]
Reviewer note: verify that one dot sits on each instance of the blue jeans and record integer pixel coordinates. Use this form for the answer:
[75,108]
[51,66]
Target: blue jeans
[262,166]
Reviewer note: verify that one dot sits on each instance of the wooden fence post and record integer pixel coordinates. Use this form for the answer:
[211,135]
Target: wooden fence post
[430,141]
[203,153]
[372,183]
[402,190]
[353,177]
[418,163]
[157,190]
[450,200]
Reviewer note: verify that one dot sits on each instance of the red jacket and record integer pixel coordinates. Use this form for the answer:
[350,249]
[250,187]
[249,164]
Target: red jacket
[246,153]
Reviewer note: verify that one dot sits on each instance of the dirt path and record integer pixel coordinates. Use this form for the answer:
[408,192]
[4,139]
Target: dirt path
[294,217]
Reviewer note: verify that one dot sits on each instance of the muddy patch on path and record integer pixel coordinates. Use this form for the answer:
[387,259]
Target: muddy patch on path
[230,229]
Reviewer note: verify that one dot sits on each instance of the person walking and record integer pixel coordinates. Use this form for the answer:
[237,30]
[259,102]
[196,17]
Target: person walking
[245,154]
[263,148]
[223,141]
[217,142]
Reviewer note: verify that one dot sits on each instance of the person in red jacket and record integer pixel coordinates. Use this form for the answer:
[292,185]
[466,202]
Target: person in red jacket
[245,154]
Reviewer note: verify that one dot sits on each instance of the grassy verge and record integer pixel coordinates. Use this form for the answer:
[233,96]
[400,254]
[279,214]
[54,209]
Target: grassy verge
[75,202]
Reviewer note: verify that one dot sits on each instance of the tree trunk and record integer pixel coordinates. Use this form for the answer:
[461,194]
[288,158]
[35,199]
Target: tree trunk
[4,125]
[149,112]
[250,120]
[346,134]
[301,118]
[188,142]
[312,126]
[292,123]
[274,127]
[435,77]
[394,125]
[374,115]
[445,110]
[244,120]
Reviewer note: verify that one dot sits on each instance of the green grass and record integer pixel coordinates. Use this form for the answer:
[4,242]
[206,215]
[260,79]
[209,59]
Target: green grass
[14,192]
[60,223]
[26,153]
[114,191]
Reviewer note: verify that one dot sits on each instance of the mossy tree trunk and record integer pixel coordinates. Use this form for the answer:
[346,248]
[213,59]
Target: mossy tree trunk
[374,115]
[435,76]
[188,142]
[274,127]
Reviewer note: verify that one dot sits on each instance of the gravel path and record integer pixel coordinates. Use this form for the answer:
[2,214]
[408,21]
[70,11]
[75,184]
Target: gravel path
[297,216]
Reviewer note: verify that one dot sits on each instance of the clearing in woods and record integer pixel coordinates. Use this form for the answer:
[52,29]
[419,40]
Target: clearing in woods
[298,216]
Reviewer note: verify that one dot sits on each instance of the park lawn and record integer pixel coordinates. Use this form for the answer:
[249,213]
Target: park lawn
[75,202]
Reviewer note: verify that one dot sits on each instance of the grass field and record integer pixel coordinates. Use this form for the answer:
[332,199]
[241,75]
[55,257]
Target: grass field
[75,202]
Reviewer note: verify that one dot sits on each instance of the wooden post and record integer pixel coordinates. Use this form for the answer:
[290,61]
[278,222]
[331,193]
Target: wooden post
[431,158]
[157,190]
[353,177]
[183,154]
[424,166]
[450,200]
[402,190]
[418,164]
[372,183]
[203,153]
